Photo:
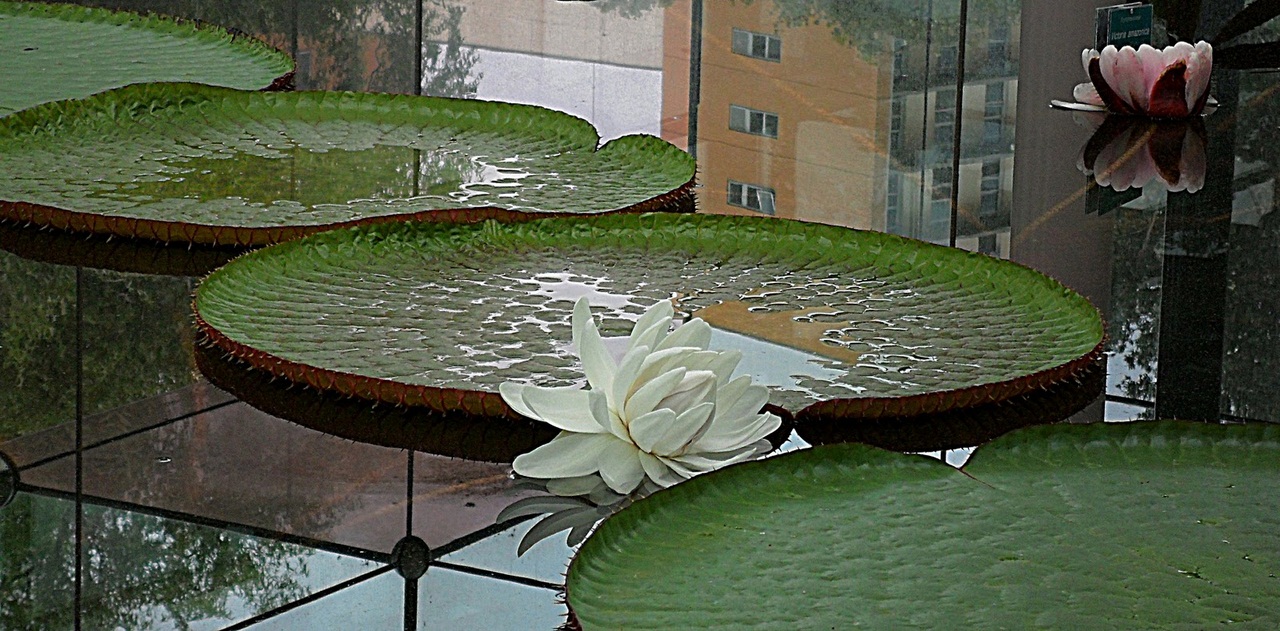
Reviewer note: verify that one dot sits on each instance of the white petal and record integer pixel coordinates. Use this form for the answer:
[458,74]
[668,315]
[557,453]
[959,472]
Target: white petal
[679,468]
[580,485]
[566,408]
[658,472]
[724,365]
[694,333]
[624,380]
[658,362]
[597,363]
[654,324]
[728,437]
[538,505]
[739,399]
[646,398]
[707,461]
[648,429]
[721,363]
[649,336]
[687,429]
[568,455]
[550,525]
[513,394]
[696,386]
[581,319]
[620,467]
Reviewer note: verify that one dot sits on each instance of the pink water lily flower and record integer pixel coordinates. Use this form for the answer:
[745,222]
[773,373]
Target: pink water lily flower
[1169,83]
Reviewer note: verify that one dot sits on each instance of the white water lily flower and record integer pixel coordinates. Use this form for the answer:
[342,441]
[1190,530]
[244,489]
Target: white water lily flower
[1168,83]
[665,412]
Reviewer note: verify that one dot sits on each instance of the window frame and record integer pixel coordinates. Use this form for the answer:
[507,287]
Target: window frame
[747,120]
[743,42]
[746,192]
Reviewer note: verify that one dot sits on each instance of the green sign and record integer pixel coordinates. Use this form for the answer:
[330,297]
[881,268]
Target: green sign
[1124,25]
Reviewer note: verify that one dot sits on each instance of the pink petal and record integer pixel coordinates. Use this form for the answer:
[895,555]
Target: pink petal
[1086,93]
[1152,67]
[1195,160]
[1199,67]
[1129,82]
[1086,57]
[1097,75]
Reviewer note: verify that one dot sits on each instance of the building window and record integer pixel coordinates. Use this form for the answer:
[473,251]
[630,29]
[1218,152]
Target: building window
[893,204]
[944,116]
[758,45]
[896,108]
[757,198]
[899,60]
[998,45]
[993,114]
[989,207]
[987,244]
[948,61]
[749,121]
[939,227]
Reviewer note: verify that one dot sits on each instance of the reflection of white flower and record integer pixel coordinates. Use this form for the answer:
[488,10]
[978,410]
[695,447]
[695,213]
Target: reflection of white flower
[573,511]
[665,412]
[1168,83]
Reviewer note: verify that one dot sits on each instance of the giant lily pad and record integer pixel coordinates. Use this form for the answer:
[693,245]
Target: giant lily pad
[1150,525]
[50,52]
[199,164]
[835,321]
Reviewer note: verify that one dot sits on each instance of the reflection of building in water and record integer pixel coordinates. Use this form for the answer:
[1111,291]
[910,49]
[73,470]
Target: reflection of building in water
[605,65]
[791,122]
[922,124]
[797,123]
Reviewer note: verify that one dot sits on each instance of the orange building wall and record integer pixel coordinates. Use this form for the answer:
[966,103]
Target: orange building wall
[827,161]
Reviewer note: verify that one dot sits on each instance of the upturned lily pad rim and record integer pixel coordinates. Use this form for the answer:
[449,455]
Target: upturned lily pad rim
[147,97]
[133,256]
[482,439]
[484,403]
[964,426]
[1078,438]
[173,25]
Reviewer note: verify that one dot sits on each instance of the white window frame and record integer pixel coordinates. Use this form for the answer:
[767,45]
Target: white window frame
[755,45]
[752,121]
[752,197]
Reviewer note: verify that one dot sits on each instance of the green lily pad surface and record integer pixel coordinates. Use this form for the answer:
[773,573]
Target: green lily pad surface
[832,319]
[1132,526]
[50,52]
[191,163]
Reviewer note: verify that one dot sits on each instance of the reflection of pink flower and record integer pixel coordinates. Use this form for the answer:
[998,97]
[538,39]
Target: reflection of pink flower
[1169,83]
[1127,152]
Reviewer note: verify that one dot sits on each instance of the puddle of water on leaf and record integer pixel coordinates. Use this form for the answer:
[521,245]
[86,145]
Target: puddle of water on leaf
[298,176]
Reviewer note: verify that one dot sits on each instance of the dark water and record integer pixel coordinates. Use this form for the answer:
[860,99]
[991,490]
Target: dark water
[197,509]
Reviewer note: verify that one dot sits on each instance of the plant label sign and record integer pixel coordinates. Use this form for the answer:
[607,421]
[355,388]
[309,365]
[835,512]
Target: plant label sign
[1124,25]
